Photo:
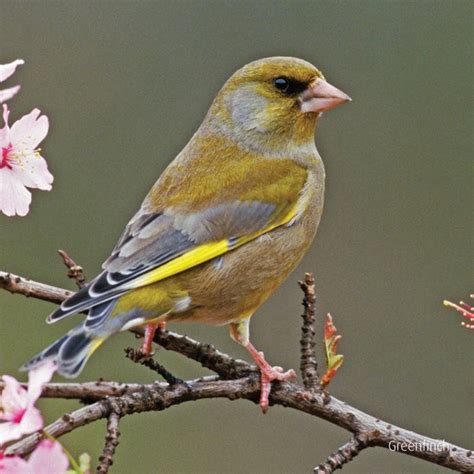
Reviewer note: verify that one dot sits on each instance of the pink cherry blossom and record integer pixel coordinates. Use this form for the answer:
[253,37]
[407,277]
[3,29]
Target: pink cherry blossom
[6,70]
[47,458]
[21,164]
[465,309]
[18,414]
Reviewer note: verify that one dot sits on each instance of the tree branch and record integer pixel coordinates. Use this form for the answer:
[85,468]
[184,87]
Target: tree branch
[309,364]
[157,397]
[22,286]
[342,456]
[111,442]
[238,380]
[137,357]
[76,272]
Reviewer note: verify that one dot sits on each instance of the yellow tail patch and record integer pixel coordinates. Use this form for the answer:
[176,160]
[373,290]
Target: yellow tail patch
[95,345]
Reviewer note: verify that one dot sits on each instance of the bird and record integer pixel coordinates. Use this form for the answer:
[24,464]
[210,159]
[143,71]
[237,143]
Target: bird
[224,225]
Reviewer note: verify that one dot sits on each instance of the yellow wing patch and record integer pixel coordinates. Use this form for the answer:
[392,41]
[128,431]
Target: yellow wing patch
[200,254]
[190,259]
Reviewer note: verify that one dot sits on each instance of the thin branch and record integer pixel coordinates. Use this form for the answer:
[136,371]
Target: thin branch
[94,391]
[76,272]
[243,384]
[342,456]
[309,364]
[137,357]
[111,442]
[206,354]
[23,286]
[84,391]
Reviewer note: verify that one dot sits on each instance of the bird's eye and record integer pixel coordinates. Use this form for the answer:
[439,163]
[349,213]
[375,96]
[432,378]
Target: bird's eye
[288,86]
[282,84]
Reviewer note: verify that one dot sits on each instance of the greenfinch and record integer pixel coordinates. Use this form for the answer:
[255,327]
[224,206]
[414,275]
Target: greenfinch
[227,221]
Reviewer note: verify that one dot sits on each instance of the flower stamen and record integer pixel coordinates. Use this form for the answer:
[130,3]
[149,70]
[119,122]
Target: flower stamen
[6,157]
[18,416]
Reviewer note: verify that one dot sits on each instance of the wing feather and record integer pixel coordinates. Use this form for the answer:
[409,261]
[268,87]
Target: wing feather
[157,245]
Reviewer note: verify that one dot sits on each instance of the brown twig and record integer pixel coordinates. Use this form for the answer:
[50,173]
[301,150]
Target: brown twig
[23,286]
[342,456]
[76,272]
[206,354]
[95,391]
[135,355]
[242,383]
[309,364]
[90,391]
[106,459]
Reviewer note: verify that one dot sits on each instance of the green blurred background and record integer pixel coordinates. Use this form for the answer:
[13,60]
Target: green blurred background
[125,84]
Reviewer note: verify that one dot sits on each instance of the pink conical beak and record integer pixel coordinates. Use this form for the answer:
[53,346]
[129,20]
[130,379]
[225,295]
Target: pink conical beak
[321,96]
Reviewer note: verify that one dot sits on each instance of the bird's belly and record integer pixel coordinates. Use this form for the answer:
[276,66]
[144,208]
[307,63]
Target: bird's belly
[232,288]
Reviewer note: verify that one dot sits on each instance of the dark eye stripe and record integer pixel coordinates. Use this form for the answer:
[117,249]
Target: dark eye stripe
[288,86]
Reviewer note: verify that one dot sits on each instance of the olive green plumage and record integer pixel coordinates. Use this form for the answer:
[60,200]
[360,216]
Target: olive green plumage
[223,226]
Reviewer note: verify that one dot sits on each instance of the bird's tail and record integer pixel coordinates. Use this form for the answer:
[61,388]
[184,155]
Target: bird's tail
[70,353]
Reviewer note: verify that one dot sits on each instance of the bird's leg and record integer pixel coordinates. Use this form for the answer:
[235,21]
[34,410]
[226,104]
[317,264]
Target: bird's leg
[240,333]
[150,330]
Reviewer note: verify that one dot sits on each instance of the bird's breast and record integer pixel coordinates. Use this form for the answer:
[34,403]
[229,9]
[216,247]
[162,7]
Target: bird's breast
[238,282]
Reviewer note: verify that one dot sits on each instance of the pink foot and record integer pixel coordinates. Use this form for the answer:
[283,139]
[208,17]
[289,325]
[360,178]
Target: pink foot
[267,375]
[266,378]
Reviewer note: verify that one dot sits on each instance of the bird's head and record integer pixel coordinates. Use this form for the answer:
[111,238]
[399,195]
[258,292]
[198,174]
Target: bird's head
[273,103]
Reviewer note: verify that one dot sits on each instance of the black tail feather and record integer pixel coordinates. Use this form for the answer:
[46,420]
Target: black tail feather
[69,353]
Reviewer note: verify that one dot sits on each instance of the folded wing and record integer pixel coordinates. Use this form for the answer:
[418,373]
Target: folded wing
[156,245]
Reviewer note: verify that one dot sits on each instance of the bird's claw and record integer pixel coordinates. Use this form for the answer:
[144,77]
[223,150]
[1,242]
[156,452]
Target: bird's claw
[267,376]
[144,354]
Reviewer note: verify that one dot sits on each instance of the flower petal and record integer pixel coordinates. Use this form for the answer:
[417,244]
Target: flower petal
[31,421]
[28,132]
[48,458]
[37,377]
[6,70]
[13,465]
[14,398]
[9,432]
[14,197]
[5,131]
[7,94]
[32,171]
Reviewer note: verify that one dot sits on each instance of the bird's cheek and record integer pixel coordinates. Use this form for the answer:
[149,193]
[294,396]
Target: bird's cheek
[274,117]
